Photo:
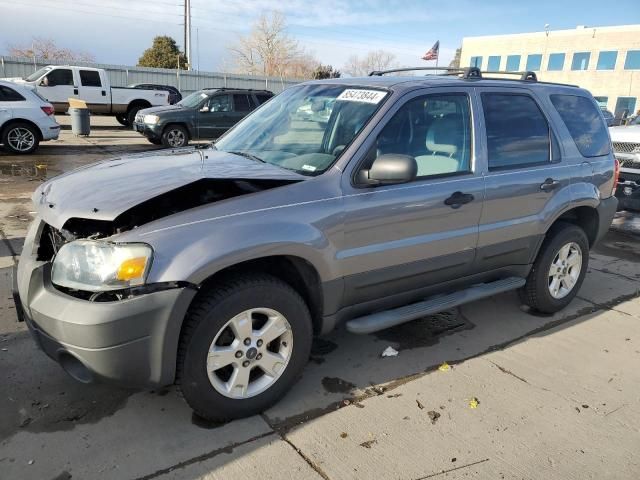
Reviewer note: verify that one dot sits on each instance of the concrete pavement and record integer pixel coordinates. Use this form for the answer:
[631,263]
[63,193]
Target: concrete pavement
[557,395]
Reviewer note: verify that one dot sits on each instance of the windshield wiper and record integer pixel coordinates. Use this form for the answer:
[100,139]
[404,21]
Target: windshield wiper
[248,155]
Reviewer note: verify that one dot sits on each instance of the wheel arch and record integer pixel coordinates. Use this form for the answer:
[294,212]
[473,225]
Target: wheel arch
[138,103]
[180,124]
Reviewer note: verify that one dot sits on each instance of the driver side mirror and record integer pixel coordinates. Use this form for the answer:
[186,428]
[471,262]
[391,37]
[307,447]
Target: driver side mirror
[390,169]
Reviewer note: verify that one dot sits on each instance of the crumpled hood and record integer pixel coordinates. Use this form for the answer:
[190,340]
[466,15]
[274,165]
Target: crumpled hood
[104,190]
[629,133]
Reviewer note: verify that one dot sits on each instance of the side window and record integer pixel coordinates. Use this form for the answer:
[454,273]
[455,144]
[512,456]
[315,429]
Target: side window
[517,131]
[241,103]
[90,78]
[584,123]
[59,76]
[262,97]
[9,95]
[435,130]
[220,103]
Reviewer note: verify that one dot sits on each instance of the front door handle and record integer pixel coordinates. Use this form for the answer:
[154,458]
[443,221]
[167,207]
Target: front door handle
[549,184]
[104,94]
[457,199]
[75,90]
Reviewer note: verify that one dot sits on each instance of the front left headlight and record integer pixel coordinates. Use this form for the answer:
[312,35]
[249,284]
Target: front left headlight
[151,119]
[97,266]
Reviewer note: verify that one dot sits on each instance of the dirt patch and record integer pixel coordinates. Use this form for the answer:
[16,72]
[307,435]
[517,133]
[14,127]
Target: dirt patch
[337,385]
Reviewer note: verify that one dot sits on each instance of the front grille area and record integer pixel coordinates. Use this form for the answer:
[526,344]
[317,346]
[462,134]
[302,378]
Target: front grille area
[629,163]
[51,239]
[626,147]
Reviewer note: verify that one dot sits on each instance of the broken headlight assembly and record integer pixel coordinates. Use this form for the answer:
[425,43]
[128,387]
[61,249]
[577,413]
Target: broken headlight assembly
[98,266]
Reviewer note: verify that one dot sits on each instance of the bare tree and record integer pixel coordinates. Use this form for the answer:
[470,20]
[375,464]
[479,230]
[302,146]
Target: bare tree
[374,60]
[46,49]
[269,50]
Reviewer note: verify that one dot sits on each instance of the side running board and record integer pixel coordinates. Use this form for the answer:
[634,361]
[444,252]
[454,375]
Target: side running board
[390,318]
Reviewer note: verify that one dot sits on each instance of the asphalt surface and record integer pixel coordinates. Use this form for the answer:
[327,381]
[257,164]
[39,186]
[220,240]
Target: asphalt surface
[524,396]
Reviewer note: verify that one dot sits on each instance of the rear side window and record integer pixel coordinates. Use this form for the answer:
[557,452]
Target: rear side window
[90,78]
[59,76]
[262,97]
[517,131]
[9,95]
[584,122]
[241,103]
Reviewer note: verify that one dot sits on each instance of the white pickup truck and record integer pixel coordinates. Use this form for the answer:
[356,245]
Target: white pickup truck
[59,83]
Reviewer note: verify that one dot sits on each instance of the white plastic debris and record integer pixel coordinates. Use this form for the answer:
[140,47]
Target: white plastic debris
[390,352]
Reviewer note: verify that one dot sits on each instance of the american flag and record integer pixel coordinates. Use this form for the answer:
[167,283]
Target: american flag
[433,53]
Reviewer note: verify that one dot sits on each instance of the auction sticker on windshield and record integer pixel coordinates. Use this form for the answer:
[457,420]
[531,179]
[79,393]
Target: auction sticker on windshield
[357,95]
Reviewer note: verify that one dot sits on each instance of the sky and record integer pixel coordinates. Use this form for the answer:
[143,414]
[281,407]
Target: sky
[118,31]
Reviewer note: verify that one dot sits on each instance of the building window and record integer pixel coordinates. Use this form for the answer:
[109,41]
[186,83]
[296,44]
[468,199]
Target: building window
[556,62]
[513,63]
[580,61]
[533,62]
[607,60]
[602,101]
[633,60]
[476,62]
[494,63]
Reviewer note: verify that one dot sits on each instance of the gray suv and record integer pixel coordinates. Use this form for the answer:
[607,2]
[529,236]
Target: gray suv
[366,202]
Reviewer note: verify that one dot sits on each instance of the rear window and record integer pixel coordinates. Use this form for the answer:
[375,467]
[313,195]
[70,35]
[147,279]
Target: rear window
[517,131]
[90,78]
[241,103]
[262,97]
[584,122]
[9,95]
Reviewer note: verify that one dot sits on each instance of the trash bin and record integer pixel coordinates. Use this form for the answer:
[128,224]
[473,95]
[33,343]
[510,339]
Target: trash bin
[80,121]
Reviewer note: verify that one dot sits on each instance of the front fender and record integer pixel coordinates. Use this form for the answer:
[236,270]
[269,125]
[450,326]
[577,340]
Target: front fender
[203,251]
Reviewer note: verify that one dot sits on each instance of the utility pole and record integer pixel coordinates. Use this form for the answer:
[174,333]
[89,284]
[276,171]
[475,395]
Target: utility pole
[187,32]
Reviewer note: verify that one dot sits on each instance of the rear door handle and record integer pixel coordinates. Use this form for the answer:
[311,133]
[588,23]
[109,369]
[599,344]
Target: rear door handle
[549,184]
[457,199]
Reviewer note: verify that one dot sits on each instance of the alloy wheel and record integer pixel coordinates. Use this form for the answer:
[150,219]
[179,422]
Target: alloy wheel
[21,139]
[565,270]
[250,353]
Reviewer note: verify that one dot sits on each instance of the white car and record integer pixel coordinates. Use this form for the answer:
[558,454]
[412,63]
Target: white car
[26,119]
[626,148]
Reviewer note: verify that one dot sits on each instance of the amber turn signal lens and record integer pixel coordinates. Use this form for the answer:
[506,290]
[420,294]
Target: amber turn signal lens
[132,268]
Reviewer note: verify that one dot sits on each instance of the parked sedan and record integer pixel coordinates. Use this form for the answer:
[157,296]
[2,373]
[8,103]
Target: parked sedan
[205,114]
[26,118]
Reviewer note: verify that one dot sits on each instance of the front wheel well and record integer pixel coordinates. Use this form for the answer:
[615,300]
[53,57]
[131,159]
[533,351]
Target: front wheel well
[295,271]
[584,217]
[179,124]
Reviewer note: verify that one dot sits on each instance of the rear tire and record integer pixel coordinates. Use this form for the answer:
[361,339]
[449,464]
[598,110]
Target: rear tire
[175,136]
[216,325]
[20,138]
[559,269]
[123,120]
[132,112]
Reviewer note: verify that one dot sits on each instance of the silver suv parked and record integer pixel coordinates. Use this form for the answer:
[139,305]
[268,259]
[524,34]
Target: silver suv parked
[367,202]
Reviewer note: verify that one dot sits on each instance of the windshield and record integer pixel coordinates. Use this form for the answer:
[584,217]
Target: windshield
[193,100]
[37,74]
[305,128]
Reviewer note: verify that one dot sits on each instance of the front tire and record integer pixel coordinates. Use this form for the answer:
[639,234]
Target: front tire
[175,136]
[20,138]
[559,269]
[244,343]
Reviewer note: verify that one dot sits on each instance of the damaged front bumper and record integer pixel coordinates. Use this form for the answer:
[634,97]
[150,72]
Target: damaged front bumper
[132,342]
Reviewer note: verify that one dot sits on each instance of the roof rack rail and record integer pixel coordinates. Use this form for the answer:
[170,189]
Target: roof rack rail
[526,75]
[466,72]
[379,73]
[233,88]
